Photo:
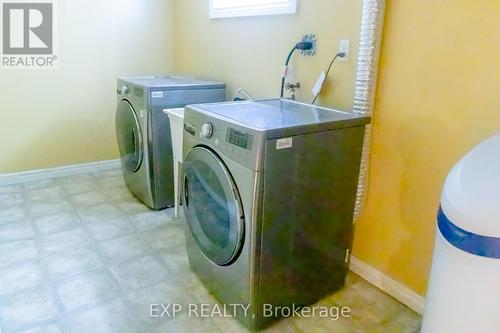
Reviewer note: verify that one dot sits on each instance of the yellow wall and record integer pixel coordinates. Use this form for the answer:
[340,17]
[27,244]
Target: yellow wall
[65,116]
[438,96]
[250,52]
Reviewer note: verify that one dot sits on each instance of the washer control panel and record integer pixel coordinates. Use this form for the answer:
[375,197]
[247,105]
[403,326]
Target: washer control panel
[233,140]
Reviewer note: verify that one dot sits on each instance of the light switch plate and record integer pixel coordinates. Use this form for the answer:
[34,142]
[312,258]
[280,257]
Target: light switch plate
[345,47]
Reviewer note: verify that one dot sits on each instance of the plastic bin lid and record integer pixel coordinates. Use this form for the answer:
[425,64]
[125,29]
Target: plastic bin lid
[471,196]
[175,114]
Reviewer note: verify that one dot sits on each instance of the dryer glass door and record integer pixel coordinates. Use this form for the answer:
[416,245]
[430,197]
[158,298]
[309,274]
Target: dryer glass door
[128,132]
[212,206]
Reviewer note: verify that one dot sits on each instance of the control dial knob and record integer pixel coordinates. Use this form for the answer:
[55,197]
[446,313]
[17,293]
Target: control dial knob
[207,130]
[123,90]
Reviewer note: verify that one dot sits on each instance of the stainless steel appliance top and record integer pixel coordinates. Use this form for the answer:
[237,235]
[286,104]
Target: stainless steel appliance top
[269,115]
[239,130]
[173,82]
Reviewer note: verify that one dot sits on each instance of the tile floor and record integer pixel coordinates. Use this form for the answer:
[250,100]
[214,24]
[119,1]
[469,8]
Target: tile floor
[80,254]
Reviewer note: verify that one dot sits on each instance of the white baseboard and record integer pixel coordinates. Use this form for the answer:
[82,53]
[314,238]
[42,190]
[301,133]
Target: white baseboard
[69,170]
[397,290]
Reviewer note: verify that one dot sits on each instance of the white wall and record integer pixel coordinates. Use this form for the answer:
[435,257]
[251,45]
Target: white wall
[66,115]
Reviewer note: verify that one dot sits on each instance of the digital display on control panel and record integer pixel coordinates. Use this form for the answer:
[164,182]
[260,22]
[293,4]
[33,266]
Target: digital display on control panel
[139,92]
[240,139]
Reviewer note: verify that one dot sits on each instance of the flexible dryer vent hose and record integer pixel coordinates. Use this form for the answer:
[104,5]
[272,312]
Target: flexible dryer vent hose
[372,22]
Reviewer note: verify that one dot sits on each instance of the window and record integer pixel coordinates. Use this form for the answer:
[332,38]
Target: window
[235,8]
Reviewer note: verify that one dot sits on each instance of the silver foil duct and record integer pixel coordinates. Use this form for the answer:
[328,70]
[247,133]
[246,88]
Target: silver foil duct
[372,22]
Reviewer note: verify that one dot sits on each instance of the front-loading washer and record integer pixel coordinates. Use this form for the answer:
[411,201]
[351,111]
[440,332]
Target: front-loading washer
[143,130]
[269,195]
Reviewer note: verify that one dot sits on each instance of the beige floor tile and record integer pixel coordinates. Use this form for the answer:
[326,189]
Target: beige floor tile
[82,177]
[230,325]
[57,222]
[99,213]
[113,317]
[176,262]
[80,187]
[45,193]
[63,265]
[54,327]
[282,326]
[123,248]
[87,199]
[20,276]
[40,184]
[86,289]
[36,302]
[16,231]
[65,241]
[15,188]
[192,283]
[139,273]
[186,324]
[12,214]
[118,193]
[168,237]
[165,293]
[110,229]
[404,321]
[150,220]
[11,199]
[106,257]
[110,181]
[17,253]
[134,206]
[49,206]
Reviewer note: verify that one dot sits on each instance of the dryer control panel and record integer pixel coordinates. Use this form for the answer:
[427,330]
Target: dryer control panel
[239,143]
[239,138]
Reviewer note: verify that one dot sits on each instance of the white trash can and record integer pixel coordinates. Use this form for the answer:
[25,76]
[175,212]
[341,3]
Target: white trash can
[176,117]
[464,286]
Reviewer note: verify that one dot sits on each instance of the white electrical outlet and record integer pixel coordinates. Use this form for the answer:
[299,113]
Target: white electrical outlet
[344,46]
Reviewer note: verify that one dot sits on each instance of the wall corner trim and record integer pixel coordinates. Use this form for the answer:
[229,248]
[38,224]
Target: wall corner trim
[69,170]
[397,290]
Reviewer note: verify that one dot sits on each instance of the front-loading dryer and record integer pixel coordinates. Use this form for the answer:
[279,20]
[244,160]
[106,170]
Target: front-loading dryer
[143,130]
[269,195]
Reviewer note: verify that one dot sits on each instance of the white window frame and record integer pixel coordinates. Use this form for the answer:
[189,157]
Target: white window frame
[290,8]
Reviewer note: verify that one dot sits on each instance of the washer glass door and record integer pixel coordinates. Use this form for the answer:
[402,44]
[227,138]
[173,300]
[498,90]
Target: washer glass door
[128,132]
[212,206]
